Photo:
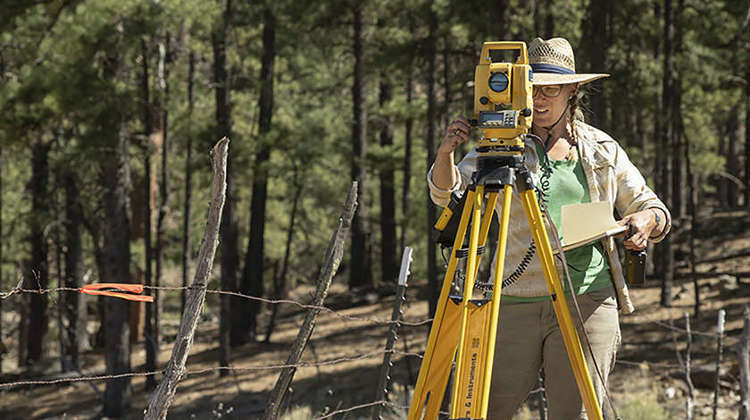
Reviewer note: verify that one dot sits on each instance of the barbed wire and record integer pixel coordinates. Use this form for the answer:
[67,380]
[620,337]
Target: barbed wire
[328,362]
[76,379]
[19,290]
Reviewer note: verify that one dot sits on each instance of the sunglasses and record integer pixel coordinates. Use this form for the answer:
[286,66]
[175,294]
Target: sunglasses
[548,91]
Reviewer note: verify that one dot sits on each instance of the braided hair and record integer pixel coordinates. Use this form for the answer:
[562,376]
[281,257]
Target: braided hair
[575,111]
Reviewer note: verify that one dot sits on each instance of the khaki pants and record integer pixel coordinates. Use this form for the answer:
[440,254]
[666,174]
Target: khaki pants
[529,338]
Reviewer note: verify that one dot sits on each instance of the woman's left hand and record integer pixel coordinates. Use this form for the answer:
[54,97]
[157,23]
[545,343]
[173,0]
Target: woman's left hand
[641,225]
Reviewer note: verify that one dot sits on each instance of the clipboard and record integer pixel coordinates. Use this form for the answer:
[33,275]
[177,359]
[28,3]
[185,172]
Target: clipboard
[584,223]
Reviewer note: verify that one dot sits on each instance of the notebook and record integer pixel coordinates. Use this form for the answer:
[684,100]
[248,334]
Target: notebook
[585,223]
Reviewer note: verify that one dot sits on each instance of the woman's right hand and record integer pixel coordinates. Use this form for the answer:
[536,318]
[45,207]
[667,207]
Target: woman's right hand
[456,133]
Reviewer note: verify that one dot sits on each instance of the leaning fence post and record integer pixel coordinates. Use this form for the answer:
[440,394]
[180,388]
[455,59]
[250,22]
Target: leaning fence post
[333,258]
[719,350]
[743,349]
[396,314]
[162,397]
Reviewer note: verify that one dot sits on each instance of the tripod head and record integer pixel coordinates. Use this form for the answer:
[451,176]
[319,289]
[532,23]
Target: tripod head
[502,98]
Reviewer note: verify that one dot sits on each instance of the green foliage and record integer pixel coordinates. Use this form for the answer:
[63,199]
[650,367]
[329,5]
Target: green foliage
[70,70]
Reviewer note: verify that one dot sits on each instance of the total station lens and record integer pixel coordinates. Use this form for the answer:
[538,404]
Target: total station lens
[498,82]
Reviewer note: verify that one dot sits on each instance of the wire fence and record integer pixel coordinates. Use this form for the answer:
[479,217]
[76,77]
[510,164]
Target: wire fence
[18,290]
[328,362]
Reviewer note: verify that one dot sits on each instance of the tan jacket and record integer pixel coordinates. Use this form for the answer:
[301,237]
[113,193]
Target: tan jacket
[610,176]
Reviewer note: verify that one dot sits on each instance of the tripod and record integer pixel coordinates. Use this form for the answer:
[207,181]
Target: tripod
[465,327]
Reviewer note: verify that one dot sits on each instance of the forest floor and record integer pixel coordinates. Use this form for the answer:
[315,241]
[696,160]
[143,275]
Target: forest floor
[346,352]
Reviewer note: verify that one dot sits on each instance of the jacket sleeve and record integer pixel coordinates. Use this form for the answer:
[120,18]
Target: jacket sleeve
[440,196]
[633,194]
[464,169]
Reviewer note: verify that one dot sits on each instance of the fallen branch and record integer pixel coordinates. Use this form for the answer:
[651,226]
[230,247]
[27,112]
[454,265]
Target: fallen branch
[162,397]
[333,259]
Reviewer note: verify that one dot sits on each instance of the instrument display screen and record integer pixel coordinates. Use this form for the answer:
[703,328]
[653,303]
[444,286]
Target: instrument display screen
[498,119]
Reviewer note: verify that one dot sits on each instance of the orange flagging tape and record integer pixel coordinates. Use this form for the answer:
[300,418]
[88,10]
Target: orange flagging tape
[118,290]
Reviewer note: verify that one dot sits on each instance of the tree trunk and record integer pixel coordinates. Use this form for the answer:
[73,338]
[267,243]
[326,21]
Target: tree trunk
[115,180]
[657,256]
[360,271]
[163,115]
[244,328]
[594,43]
[445,111]
[281,284]
[747,135]
[693,199]
[186,249]
[387,189]
[406,189]
[663,155]
[148,127]
[3,348]
[39,274]
[679,175]
[732,161]
[498,23]
[64,352]
[74,303]
[432,271]
[408,126]
[549,19]
[733,140]
[229,235]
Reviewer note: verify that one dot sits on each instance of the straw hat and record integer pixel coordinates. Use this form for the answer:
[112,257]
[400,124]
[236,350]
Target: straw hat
[553,63]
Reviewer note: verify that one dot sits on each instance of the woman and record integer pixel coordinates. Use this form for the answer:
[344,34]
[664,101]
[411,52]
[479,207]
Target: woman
[587,166]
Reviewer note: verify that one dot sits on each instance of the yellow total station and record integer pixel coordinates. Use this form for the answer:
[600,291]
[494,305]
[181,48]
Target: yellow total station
[502,99]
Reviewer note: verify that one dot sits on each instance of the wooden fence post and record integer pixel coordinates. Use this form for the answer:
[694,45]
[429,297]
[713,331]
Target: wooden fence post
[162,397]
[333,258]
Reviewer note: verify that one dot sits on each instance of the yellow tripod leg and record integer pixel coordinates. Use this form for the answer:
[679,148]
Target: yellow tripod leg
[473,383]
[489,210]
[459,393]
[560,302]
[438,359]
[467,392]
[502,242]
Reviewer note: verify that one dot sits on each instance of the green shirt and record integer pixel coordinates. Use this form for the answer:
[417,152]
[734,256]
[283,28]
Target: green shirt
[587,265]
